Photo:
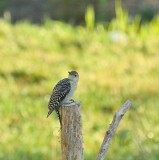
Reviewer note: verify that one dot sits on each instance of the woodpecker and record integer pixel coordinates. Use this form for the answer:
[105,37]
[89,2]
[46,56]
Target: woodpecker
[62,93]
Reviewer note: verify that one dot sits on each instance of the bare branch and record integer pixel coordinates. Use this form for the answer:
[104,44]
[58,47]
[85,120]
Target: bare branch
[112,128]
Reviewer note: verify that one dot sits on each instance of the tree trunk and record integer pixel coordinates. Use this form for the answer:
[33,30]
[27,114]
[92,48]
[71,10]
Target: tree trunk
[71,132]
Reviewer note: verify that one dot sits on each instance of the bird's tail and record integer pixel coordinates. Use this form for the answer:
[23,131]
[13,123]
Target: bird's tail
[50,111]
[59,116]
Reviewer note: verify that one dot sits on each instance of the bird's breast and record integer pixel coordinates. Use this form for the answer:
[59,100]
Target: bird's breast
[71,92]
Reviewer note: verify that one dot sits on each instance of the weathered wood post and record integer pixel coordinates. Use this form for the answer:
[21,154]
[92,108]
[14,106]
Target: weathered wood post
[71,132]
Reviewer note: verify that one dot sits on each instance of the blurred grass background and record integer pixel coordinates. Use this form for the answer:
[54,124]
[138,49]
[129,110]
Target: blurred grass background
[116,62]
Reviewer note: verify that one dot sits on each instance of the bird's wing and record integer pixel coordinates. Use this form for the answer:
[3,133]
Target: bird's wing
[59,92]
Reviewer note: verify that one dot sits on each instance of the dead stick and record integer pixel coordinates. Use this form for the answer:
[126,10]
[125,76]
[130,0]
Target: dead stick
[112,128]
[71,132]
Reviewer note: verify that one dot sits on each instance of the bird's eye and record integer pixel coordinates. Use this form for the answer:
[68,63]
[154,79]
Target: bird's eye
[75,75]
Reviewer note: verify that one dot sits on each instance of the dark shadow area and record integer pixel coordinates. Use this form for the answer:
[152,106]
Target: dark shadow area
[23,77]
[73,11]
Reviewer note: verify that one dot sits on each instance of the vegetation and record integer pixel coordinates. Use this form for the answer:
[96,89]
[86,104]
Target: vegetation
[116,62]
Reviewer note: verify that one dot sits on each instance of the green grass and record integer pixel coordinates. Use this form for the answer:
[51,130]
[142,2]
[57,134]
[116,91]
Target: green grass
[115,62]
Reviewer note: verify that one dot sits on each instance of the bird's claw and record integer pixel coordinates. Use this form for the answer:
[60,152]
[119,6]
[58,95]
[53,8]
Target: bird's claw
[69,102]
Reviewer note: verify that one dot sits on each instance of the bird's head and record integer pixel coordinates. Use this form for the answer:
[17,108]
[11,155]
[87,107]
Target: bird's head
[74,76]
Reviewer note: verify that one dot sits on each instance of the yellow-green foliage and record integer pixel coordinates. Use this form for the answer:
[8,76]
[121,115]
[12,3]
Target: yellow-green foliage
[90,18]
[116,63]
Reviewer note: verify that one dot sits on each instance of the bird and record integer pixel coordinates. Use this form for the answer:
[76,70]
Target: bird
[62,93]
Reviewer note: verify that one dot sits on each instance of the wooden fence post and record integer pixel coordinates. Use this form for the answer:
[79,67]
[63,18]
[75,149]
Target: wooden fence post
[71,132]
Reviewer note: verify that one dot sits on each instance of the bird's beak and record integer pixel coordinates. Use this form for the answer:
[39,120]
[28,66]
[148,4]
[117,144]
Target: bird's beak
[69,72]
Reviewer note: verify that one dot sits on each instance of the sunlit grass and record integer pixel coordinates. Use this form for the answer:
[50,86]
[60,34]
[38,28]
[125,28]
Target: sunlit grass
[115,64]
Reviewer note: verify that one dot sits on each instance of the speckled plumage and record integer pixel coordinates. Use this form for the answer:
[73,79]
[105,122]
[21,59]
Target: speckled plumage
[62,93]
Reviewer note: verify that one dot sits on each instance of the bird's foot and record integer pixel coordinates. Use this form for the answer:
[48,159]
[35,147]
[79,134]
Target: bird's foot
[68,102]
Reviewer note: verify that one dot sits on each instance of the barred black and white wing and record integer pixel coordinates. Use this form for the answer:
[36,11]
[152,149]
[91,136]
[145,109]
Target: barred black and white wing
[59,92]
